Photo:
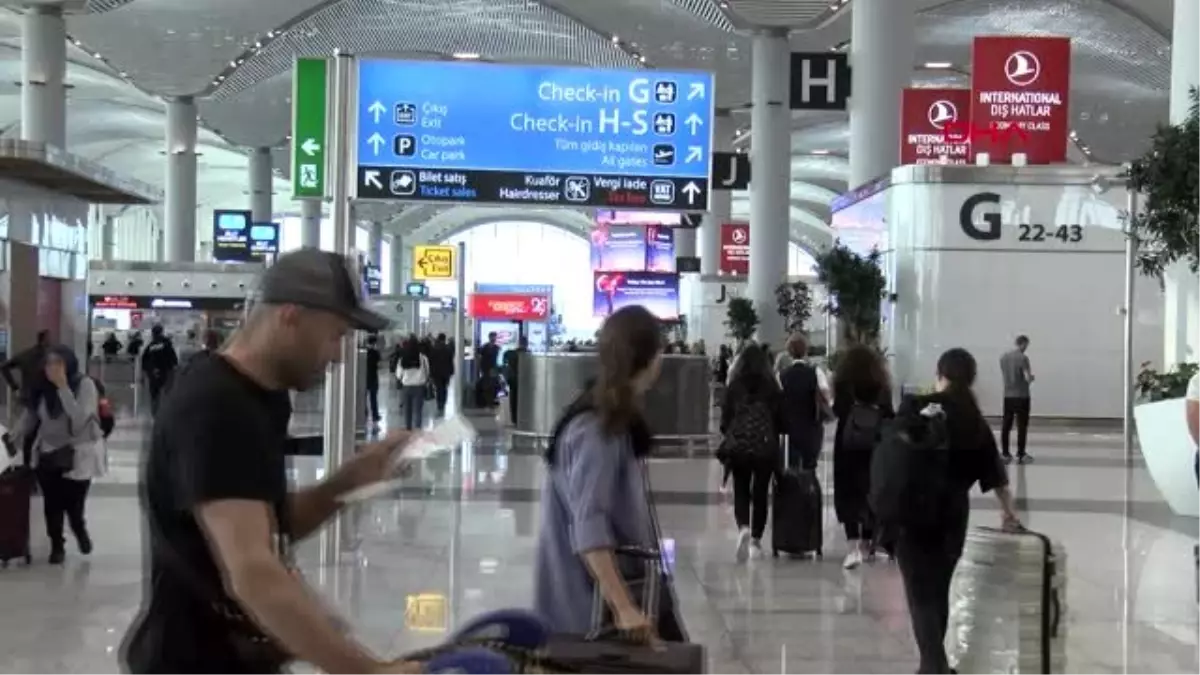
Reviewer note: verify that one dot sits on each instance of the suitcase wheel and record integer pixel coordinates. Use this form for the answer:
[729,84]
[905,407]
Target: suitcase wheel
[774,553]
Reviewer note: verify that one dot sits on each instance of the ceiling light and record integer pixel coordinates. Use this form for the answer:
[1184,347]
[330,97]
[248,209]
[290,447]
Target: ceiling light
[466,56]
[938,65]
[819,152]
[616,39]
[641,58]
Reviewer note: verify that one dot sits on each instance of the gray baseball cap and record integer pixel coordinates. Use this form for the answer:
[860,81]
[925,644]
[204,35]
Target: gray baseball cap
[323,280]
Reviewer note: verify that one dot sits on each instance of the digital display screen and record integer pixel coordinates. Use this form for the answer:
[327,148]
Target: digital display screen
[231,236]
[657,292]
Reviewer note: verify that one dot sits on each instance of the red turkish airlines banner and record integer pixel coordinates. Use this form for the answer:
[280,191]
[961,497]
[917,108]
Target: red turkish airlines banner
[928,118]
[735,249]
[509,306]
[1025,82]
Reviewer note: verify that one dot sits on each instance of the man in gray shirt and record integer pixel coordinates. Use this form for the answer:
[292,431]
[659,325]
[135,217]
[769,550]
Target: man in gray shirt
[1018,375]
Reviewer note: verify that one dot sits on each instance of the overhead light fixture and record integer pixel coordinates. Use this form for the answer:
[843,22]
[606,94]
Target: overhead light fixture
[466,56]
[616,39]
[938,65]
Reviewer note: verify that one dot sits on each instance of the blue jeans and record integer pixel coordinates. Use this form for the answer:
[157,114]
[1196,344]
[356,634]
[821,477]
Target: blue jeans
[414,406]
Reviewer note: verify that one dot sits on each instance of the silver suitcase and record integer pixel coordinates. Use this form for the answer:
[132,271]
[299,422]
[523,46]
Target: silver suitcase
[1008,604]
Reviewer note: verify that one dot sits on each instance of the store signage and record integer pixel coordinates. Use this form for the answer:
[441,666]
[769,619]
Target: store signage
[730,171]
[820,81]
[562,136]
[231,235]
[1024,82]
[433,262]
[657,292]
[660,248]
[930,122]
[138,302]
[509,307]
[309,87]
[735,249]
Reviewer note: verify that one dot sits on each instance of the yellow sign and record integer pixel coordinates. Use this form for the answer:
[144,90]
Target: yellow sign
[433,262]
[425,613]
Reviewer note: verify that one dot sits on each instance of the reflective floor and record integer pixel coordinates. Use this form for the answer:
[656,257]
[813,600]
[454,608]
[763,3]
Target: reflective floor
[459,540]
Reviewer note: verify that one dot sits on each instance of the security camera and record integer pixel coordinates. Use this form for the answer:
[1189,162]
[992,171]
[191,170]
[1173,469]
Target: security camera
[241,285]
[129,283]
[100,282]
[212,283]
[158,283]
[187,284]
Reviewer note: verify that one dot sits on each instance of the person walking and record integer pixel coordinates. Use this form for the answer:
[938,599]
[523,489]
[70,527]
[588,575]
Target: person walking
[63,418]
[373,361]
[806,405]
[862,400]
[159,361]
[441,371]
[751,423]
[413,373]
[1018,375]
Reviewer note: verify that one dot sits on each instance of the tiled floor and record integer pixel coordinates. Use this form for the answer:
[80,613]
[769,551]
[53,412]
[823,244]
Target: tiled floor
[459,540]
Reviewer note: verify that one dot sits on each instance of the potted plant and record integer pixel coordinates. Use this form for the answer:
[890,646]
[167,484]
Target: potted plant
[856,287]
[741,319]
[794,304]
[1165,231]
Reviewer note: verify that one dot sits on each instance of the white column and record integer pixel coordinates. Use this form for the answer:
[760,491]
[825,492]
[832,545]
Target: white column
[720,202]
[108,238]
[376,244]
[1181,288]
[310,223]
[398,256]
[261,185]
[770,199]
[180,202]
[43,73]
[882,56]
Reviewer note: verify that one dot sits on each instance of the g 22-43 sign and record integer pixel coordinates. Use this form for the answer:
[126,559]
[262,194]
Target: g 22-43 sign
[981,220]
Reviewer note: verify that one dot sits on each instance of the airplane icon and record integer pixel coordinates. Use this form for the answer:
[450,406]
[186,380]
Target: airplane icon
[664,154]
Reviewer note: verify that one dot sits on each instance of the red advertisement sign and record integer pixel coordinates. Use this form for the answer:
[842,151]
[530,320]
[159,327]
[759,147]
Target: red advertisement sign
[1023,82]
[928,119]
[509,306]
[735,248]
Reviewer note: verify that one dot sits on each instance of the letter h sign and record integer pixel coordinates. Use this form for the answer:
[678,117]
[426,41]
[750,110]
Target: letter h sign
[819,81]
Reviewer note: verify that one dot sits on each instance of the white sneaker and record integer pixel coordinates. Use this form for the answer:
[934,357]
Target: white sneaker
[756,549]
[853,559]
[743,544]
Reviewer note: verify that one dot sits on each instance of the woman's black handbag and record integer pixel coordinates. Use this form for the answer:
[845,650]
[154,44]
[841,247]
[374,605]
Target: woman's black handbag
[58,459]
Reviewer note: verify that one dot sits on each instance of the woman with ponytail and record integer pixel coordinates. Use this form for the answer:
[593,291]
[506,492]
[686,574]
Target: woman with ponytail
[596,505]
[928,556]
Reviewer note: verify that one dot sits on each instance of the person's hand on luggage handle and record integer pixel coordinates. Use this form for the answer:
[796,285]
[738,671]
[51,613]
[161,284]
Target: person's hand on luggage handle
[634,625]
[1010,523]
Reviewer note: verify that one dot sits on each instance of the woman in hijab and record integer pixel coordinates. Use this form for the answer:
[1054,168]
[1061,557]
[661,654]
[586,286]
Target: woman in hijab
[68,447]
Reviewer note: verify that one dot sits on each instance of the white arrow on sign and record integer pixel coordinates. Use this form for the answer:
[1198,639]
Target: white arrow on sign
[377,109]
[695,91]
[692,191]
[376,142]
[371,179]
[694,123]
[310,146]
[695,154]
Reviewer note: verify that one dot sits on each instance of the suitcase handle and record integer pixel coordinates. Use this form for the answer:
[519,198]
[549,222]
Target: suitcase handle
[1055,613]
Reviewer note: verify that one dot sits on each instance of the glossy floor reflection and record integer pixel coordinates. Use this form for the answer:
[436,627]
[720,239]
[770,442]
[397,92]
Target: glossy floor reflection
[459,540]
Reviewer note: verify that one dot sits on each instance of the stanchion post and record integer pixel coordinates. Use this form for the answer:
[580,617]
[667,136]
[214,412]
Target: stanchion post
[1129,376]
[460,325]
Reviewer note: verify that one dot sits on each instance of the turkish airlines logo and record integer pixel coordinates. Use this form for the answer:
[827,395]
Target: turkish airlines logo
[1022,68]
[942,113]
[739,236]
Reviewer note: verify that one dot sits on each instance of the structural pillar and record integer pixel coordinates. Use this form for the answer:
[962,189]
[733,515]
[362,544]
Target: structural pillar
[261,185]
[310,223]
[397,273]
[375,244]
[43,76]
[720,202]
[882,57]
[108,238]
[180,202]
[1181,288]
[770,198]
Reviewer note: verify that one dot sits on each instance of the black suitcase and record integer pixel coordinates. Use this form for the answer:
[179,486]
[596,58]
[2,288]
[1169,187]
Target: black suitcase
[16,492]
[797,514]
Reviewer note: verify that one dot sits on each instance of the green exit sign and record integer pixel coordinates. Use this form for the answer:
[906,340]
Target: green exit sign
[309,87]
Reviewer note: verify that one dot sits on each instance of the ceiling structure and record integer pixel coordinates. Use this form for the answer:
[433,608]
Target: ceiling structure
[128,56]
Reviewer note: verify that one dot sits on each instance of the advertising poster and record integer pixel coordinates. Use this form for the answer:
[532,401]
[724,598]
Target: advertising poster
[660,249]
[928,118]
[509,306]
[657,292]
[618,248]
[1020,93]
[735,249]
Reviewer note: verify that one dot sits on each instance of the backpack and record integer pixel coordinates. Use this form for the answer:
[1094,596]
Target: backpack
[910,470]
[751,434]
[104,411]
[863,425]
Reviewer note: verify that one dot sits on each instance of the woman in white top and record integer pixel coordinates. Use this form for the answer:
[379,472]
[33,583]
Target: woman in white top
[69,448]
[412,369]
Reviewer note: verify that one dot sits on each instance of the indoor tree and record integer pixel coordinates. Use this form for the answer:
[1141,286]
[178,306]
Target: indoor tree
[1168,177]
[741,319]
[794,304]
[856,287]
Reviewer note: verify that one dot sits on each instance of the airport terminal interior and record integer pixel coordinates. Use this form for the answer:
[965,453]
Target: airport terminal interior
[517,171]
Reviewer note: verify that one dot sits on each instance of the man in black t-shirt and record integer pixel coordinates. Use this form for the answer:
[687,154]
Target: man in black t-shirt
[221,597]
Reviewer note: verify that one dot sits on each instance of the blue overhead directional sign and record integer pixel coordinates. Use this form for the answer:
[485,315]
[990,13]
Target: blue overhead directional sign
[545,135]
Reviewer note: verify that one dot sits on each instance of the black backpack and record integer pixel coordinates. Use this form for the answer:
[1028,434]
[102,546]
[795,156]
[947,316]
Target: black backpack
[751,434]
[910,470]
[862,429]
[104,411]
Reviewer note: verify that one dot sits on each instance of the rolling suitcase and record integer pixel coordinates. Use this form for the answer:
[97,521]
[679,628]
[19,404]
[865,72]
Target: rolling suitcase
[797,513]
[16,492]
[1007,604]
